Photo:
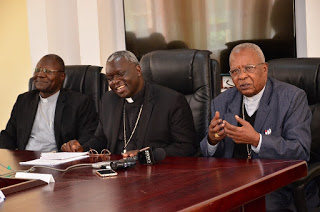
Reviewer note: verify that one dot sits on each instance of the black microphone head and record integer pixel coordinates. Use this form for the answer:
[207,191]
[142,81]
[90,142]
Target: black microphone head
[150,156]
[159,154]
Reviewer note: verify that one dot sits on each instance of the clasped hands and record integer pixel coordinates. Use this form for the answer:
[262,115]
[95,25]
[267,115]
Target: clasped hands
[219,129]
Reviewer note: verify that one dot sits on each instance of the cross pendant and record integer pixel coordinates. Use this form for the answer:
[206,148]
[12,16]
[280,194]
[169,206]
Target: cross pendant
[249,156]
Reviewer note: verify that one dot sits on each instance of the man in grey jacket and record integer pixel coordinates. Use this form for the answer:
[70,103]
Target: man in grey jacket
[260,117]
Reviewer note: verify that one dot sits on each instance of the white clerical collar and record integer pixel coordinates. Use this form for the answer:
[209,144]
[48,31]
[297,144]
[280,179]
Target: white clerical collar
[52,98]
[252,103]
[129,100]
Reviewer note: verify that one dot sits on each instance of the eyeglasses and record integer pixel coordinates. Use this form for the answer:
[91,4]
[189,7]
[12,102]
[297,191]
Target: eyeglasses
[45,71]
[95,153]
[246,69]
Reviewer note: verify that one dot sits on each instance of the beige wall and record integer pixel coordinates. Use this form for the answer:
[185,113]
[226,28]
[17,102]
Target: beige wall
[15,60]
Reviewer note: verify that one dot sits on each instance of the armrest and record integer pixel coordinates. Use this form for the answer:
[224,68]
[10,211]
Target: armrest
[313,172]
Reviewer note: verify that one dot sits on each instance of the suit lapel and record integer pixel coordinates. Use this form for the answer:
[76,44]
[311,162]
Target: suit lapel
[264,107]
[58,116]
[148,104]
[117,116]
[31,115]
[234,109]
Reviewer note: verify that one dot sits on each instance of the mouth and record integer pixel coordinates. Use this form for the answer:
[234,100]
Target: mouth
[245,86]
[120,87]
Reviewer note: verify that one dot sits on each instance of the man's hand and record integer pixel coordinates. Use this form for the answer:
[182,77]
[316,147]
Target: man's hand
[130,153]
[216,130]
[72,146]
[242,135]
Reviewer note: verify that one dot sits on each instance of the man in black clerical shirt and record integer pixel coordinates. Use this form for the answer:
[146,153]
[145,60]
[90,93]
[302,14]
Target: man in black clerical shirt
[136,114]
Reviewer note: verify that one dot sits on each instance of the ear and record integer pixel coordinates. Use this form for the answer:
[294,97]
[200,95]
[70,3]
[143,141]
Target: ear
[62,76]
[266,67]
[138,69]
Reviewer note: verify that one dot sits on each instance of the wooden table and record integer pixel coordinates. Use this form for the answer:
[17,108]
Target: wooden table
[177,183]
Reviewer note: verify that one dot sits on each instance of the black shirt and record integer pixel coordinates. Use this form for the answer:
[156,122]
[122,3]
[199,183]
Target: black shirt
[131,116]
[240,150]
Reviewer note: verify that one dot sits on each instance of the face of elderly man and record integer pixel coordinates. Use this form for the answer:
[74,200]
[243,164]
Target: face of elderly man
[124,77]
[253,71]
[51,82]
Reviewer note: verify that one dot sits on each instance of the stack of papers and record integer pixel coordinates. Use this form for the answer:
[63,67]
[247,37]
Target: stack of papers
[52,159]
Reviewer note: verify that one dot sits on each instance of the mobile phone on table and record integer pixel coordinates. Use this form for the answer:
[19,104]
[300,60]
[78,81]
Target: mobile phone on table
[106,172]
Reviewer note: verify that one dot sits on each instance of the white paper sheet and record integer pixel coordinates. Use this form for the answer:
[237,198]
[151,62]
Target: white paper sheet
[52,162]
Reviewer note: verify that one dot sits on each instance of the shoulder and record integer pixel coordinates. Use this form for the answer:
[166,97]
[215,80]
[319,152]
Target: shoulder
[226,96]
[28,95]
[74,97]
[285,90]
[73,94]
[110,96]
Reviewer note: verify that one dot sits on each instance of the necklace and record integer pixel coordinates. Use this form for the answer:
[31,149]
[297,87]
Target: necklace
[124,127]
[248,149]
[44,116]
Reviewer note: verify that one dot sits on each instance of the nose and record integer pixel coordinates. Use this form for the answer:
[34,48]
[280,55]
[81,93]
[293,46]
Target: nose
[114,81]
[40,74]
[243,74]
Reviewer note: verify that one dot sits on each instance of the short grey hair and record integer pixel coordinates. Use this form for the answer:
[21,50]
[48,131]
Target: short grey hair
[127,55]
[252,46]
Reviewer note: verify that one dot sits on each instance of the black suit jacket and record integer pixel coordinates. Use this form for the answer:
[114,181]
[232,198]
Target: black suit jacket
[75,118]
[166,122]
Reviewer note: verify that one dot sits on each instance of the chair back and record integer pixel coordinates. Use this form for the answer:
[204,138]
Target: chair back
[85,79]
[190,72]
[303,73]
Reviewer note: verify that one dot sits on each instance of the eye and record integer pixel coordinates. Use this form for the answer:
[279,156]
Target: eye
[234,71]
[249,68]
[122,73]
[37,70]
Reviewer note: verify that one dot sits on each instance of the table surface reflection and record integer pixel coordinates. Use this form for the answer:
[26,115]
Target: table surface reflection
[176,183]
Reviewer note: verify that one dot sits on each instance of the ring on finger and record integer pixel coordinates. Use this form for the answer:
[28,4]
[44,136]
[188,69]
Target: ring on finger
[216,135]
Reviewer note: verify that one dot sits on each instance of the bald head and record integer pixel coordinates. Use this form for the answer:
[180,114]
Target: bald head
[248,46]
[53,58]
[126,55]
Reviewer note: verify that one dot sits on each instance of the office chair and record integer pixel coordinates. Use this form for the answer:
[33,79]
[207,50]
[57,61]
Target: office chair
[190,72]
[85,79]
[303,73]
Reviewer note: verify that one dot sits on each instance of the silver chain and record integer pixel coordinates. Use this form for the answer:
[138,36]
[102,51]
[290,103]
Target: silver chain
[248,149]
[124,127]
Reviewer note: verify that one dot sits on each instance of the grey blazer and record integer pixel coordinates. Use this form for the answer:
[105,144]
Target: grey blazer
[283,109]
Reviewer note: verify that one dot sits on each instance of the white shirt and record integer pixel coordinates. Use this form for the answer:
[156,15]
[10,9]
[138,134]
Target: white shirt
[252,105]
[42,136]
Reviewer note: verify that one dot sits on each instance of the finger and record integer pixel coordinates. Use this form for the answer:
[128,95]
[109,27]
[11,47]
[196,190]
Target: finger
[216,128]
[240,120]
[229,127]
[217,115]
[214,122]
[65,147]
[76,147]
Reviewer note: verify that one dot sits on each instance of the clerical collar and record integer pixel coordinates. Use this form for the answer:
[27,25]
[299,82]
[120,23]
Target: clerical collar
[52,98]
[139,96]
[252,103]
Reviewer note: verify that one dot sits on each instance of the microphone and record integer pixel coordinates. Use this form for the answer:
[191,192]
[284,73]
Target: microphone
[145,156]
[113,164]
[148,156]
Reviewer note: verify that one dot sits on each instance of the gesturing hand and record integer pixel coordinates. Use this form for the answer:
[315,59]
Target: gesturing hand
[216,131]
[245,134]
